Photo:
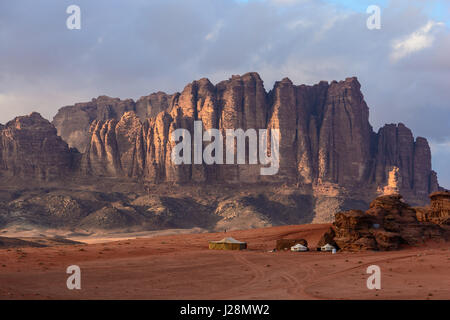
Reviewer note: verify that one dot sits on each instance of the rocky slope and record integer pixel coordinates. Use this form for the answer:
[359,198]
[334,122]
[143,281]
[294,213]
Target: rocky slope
[116,207]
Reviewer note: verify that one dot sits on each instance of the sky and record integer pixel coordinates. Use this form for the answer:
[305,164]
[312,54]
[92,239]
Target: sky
[128,49]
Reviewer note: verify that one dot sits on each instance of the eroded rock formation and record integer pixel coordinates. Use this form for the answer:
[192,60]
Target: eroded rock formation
[326,140]
[389,223]
[438,211]
[31,149]
[73,122]
[325,136]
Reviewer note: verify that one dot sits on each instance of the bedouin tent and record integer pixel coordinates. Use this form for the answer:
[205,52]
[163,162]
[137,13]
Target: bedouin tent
[299,248]
[327,247]
[227,244]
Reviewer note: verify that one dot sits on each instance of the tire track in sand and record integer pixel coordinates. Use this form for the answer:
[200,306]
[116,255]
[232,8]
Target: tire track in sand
[257,275]
[298,290]
[334,275]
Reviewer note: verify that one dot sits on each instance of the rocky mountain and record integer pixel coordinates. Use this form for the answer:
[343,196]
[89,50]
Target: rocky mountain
[325,135]
[330,157]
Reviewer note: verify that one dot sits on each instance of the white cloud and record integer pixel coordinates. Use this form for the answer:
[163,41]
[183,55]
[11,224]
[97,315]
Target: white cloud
[299,23]
[416,41]
[162,45]
[215,31]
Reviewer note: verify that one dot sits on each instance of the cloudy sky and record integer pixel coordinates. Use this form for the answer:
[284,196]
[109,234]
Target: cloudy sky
[128,49]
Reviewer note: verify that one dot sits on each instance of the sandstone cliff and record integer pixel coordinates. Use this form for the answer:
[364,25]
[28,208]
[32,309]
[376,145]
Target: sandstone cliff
[73,122]
[31,149]
[330,158]
[325,136]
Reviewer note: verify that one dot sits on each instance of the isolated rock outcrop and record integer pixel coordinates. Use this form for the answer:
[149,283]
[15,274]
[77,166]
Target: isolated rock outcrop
[440,207]
[438,211]
[389,223]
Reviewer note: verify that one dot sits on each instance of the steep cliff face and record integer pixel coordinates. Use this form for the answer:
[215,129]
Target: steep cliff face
[241,103]
[73,122]
[31,149]
[397,148]
[345,135]
[325,137]
[151,105]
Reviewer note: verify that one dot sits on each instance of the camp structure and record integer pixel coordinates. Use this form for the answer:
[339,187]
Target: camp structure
[327,247]
[299,248]
[286,244]
[227,244]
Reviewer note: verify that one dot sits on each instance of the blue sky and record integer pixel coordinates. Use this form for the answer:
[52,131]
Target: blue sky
[130,49]
[436,9]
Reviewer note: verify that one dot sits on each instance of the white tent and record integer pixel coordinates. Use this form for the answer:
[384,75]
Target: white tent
[299,248]
[327,247]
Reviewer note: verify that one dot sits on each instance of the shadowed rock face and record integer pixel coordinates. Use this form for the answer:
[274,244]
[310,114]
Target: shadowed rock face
[31,149]
[73,122]
[326,140]
[396,145]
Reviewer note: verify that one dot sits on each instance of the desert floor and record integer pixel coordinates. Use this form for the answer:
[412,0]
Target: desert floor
[182,267]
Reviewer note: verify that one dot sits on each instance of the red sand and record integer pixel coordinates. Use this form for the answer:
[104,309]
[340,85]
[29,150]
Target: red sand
[182,267]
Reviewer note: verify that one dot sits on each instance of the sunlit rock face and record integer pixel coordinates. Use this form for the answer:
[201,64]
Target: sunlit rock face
[326,144]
